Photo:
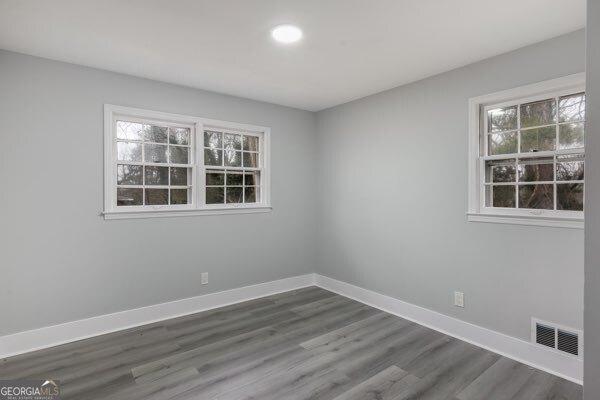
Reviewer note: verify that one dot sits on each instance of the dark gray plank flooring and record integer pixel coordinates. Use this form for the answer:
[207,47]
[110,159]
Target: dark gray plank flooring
[304,344]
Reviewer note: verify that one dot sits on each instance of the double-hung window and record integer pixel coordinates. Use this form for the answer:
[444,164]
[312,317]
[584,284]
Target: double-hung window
[527,161]
[159,164]
[232,162]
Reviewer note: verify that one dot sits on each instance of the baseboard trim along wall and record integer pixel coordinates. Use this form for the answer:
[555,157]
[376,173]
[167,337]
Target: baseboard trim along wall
[36,339]
[548,360]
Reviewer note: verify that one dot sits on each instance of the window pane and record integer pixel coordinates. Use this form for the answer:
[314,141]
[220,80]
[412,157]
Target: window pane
[251,194]
[215,195]
[252,179]
[536,196]
[570,136]
[502,119]
[233,142]
[571,108]
[251,160]
[179,196]
[129,130]
[179,176]
[155,153]
[215,178]
[251,143]
[569,196]
[538,113]
[501,171]
[179,136]
[129,197]
[155,134]
[502,143]
[536,169]
[502,196]
[129,175]
[234,194]
[214,140]
[129,151]
[157,175]
[538,139]
[213,157]
[233,158]
[156,196]
[235,179]
[179,155]
[569,168]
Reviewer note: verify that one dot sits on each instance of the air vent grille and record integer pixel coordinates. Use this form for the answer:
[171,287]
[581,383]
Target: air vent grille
[568,342]
[545,335]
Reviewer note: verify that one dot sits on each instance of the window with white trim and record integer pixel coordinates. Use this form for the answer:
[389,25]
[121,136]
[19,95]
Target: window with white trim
[159,164]
[530,157]
[153,163]
[233,171]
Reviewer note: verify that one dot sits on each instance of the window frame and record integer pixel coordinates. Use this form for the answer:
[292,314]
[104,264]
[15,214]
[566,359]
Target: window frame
[197,127]
[478,138]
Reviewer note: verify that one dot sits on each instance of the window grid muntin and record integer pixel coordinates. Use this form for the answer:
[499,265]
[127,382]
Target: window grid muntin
[208,168]
[143,163]
[524,155]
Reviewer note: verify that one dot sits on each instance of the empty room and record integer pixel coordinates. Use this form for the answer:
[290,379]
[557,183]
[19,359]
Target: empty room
[300,199]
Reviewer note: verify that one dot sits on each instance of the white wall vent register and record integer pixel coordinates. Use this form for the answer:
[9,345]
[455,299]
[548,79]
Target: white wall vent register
[563,339]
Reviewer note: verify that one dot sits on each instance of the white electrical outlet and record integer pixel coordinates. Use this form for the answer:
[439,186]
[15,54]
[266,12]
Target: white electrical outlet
[459,299]
[204,278]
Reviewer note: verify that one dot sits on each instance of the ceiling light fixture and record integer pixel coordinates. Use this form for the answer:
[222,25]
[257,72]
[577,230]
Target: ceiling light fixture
[286,34]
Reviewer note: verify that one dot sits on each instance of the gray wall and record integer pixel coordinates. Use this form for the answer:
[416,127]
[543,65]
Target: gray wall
[392,179]
[60,261]
[592,211]
[392,196]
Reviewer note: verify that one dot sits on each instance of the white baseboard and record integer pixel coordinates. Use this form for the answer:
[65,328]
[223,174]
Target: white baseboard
[41,338]
[564,366]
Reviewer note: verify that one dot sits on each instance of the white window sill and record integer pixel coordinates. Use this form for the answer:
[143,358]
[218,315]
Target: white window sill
[533,220]
[135,214]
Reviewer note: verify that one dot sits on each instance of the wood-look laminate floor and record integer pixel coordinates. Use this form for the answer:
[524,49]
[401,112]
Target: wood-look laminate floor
[305,344]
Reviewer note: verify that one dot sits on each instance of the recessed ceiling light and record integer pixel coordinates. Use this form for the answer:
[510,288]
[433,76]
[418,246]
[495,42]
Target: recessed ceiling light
[286,33]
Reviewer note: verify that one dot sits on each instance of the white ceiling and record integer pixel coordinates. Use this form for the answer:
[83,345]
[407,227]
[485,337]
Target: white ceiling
[351,48]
